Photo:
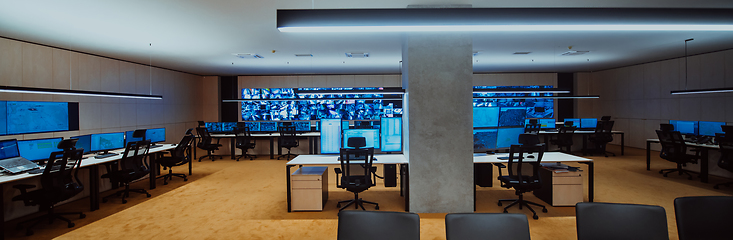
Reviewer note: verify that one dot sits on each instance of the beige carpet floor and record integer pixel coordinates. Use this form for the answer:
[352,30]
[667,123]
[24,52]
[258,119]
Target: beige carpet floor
[226,199]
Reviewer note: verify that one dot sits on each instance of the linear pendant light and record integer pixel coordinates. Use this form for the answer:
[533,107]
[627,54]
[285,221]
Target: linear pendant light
[11,89]
[307,99]
[697,91]
[520,91]
[541,97]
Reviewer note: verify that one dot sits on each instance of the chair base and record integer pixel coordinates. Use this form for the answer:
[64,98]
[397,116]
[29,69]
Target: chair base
[357,202]
[50,216]
[727,184]
[170,176]
[125,193]
[521,202]
[210,155]
[251,157]
[287,156]
[679,169]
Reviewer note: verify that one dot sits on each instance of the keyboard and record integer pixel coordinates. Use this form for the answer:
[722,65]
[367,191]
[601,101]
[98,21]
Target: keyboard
[106,155]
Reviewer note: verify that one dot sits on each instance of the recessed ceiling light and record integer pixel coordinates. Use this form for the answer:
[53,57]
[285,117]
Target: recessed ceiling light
[357,55]
[303,55]
[521,53]
[247,55]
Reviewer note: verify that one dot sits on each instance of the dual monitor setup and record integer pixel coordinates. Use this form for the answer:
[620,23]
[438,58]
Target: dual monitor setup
[385,135]
[697,128]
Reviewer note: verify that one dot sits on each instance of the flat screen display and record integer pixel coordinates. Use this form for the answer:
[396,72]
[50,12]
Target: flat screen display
[3,118]
[221,127]
[685,127]
[330,136]
[484,139]
[84,142]
[710,128]
[391,130]
[107,141]
[9,149]
[344,124]
[575,121]
[485,117]
[38,149]
[129,138]
[512,116]
[545,123]
[588,123]
[253,126]
[302,126]
[268,126]
[155,135]
[371,135]
[31,117]
[508,136]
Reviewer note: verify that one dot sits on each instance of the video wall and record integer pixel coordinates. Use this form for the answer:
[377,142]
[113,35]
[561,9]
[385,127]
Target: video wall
[288,104]
[21,117]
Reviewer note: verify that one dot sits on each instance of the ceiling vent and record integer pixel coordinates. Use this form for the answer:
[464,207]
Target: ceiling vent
[521,53]
[247,55]
[304,55]
[357,55]
[574,53]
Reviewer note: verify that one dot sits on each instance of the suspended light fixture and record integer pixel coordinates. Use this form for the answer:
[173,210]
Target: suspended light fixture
[521,90]
[697,91]
[11,89]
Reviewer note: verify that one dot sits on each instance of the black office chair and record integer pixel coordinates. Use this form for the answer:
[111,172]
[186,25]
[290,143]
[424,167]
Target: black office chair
[132,167]
[59,182]
[178,156]
[244,142]
[475,226]
[674,150]
[607,221]
[516,178]
[288,140]
[707,217]
[206,144]
[564,138]
[726,156]
[356,181]
[533,126]
[602,137]
[202,124]
[366,225]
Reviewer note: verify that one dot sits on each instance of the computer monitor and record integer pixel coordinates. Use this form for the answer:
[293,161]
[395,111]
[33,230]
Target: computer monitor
[685,127]
[512,116]
[84,142]
[588,123]
[38,149]
[507,137]
[485,117]
[302,126]
[575,121]
[371,135]
[253,126]
[363,124]
[129,138]
[155,135]
[9,149]
[545,123]
[710,128]
[484,139]
[330,136]
[221,127]
[344,124]
[391,131]
[103,142]
[268,126]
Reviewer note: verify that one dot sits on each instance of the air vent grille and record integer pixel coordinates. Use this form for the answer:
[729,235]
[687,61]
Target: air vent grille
[247,55]
[357,55]
[521,53]
[574,53]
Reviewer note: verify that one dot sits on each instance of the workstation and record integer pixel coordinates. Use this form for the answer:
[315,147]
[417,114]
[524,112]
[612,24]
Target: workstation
[633,88]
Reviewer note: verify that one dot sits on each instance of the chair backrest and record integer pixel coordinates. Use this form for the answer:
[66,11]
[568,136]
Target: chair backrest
[565,134]
[368,225]
[707,217]
[517,157]
[666,127]
[243,137]
[600,221]
[673,145]
[133,159]
[358,181]
[182,148]
[287,137]
[64,181]
[189,132]
[726,153]
[603,132]
[204,136]
[139,133]
[475,226]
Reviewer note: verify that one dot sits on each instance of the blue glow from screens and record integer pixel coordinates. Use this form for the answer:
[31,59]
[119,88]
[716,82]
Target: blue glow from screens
[512,116]
[253,126]
[588,123]
[485,117]
[344,124]
[84,142]
[391,130]
[221,127]
[107,141]
[9,149]
[508,136]
[155,135]
[3,118]
[371,135]
[129,138]
[31,117]
[330,136]
[575,121]
[536,108]
[484,139]
[710,128]
[268,126]
[545,123]
[38,149]
[300,126]
[685,127]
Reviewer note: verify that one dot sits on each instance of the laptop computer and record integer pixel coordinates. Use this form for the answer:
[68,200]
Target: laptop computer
[10,159]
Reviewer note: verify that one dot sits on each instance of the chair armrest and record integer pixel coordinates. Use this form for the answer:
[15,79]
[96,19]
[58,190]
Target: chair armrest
[499,166]
[338,172]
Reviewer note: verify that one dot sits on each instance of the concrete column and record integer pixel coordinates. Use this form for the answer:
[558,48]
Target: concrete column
[437,75]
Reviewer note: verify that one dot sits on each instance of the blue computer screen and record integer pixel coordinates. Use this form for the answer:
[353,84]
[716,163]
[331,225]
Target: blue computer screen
[221,127]
[575,121]
[344,124]
[107,141]
[371,135]
[302,126]
[710,128]
[685,127]
[391,130]
[507,137]
[253,126]
[129,138]
[484,139]
[512,116]
[155,135]
[330,136]
[485,117]
[30,117]
[545,123]
[84,142]
[268,126]
[588,123]
[9,149]
[38,149]
[3,118]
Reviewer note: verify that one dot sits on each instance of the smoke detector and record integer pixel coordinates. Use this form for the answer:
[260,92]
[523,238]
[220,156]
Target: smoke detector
[357,55]
[247,55]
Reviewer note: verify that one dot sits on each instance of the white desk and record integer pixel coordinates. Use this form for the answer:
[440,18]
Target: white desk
[312,140]
[704,165]
[321,160]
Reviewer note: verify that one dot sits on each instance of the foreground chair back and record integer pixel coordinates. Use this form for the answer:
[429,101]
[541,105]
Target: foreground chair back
[486,226]
[706,217]
[613,221]
[366,225]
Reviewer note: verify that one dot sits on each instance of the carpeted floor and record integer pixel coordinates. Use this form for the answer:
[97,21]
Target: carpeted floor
[226,199]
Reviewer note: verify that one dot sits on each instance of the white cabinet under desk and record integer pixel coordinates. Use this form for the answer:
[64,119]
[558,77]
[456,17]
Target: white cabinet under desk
[560,188]
[309,188]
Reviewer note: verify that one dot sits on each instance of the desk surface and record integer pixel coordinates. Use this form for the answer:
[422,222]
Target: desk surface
[656,140]
[580,132]
[333,159]
[547,157]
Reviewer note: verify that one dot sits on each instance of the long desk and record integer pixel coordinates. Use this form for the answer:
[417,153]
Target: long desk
[548,157]
[585,135]
[333,160]
[312,140]
[92,164]
[704,165]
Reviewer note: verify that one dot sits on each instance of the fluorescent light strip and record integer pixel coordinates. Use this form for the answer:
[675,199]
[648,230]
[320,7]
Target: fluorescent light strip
[308,99]
[701,91]
[10,89]
[522,91]
[540,97]
[512,28]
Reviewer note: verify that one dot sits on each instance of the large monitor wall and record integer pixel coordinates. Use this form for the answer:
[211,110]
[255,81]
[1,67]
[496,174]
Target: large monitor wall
[22,117]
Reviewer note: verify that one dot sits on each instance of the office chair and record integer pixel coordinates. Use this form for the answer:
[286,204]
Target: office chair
[726,156]
[202,124]
[366,225]
[666,127]
[59,182]
[132,167]
[532,127]
[288,140]
[564,138]
[606,118]
[607,221]
[244,142]
[205,144]
[674,150]
[705,217]
[516,178]
[602,137]
[351,179]
[475,226]
[179,156]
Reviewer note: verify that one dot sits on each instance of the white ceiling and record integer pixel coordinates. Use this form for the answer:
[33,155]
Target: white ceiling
[200,36]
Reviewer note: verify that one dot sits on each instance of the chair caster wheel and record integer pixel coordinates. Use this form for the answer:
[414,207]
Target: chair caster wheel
[499,204]
[185,179]
[71,225]
[148,195]
[535,217]
[505,211]
[376,207]
[124,201]
[28,232]
[544,210]
[81,216]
